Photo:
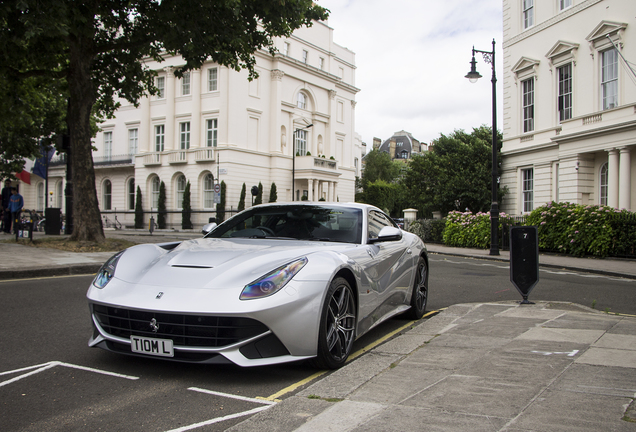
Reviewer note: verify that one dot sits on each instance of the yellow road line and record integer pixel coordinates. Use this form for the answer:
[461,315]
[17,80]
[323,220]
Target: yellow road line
[358,353]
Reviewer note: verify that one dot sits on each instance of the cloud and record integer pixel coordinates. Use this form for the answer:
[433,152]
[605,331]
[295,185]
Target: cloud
[411,58]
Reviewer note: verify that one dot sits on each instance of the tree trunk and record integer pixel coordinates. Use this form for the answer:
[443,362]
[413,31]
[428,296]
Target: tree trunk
[87,224]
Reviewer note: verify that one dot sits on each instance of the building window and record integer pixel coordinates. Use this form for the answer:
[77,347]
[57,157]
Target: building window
[213,79]
[321,63]
[404,154]
[208,191]
[108,195]
[181,185]
[41,196]
[301,102]
[108,145]
[301,142]
[603,178]
[161,87]
[564,4]
[160,135]
[305,56]
[156,184]
[565,92]
[185,135]
[527,88]
[609,78]
[527,188]
[340,112]
[133,141]
[185,84]
[528,13]
[131,194]
[212,132]
[286,48]
[60,193]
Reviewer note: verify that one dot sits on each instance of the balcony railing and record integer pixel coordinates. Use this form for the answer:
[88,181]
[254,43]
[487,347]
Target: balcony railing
[113,160]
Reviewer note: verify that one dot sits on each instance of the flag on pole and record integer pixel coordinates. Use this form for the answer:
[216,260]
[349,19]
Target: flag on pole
[40,167]
[25,175]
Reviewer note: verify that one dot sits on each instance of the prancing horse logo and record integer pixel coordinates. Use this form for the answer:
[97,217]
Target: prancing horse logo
[153,325]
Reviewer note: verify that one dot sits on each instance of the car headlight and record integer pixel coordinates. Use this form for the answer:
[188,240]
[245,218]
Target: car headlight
[273,281]
[106,273]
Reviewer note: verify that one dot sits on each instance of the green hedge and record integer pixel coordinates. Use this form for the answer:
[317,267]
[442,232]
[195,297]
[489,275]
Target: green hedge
[464,229]
[580,230]
[429,230]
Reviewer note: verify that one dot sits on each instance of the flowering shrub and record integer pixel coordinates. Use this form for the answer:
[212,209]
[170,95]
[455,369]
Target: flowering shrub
[579,230]
[471,230]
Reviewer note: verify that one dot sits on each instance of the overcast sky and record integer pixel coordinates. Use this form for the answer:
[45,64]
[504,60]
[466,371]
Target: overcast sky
[411,58]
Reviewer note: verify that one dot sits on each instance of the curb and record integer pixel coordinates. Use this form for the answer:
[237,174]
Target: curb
[78,269]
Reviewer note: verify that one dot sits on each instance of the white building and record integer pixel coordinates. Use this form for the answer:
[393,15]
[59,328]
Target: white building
[569,103]
[214,125]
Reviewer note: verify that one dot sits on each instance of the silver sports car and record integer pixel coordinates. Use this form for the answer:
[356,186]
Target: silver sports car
[275,283]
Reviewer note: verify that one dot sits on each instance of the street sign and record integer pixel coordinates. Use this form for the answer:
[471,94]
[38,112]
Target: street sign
[217,198]
[524,259]
[217,188]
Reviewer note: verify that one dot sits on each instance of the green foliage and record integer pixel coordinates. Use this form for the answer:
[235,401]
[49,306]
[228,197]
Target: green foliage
[378,166]
[382,194]
[579,230]
[429,230]
[186,209]
[259,197]
[471,230]
[241,204]
[139,210]
[455,174]
[220,207]
[161,213]
[273,195]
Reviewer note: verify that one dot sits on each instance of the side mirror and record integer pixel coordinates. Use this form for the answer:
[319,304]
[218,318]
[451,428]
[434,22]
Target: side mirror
[208,227]
[387,234]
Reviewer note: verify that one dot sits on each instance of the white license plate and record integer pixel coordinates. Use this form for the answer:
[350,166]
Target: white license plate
[152,346]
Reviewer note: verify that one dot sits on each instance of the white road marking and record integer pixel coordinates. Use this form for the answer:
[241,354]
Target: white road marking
[220,419]
[556,272]
[51,364]
[231,396]
[547,353]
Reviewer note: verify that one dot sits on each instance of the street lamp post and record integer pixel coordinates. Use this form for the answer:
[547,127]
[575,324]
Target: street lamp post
[473,76]
[294,160]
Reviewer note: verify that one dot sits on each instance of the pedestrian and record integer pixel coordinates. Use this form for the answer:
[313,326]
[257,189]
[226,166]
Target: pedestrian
[6,214]
[15,207]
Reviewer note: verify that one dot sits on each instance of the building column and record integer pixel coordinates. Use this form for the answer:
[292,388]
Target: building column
[275,138]
[145,137]
[335,191]
[195,130]
[170,83]
[330,191]
[612,178]
[625,181]
[310,189]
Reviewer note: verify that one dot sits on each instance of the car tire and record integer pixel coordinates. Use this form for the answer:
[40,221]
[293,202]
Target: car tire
[337,326]
[419,297]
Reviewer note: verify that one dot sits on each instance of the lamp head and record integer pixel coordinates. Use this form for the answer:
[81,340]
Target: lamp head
[473,75]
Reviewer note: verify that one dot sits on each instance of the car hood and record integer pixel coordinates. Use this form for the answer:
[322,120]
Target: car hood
[214,263]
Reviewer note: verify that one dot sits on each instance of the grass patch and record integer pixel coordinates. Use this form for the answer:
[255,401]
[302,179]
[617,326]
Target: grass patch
[312,396]
[62,243]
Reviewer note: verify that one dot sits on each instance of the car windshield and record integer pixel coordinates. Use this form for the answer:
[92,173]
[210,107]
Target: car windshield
[301,222]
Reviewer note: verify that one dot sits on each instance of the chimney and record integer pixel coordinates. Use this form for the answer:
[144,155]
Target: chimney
[376,143]
[392,148]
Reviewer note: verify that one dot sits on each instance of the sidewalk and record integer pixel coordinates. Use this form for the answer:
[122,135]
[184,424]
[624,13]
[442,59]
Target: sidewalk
[501,366]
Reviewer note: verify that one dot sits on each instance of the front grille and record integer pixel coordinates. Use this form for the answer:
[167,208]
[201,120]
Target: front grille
[184,330]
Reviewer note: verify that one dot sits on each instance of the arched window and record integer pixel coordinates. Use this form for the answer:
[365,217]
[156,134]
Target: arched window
[301,102]
[208,191]
[603,185]
[181,184]
[155,192]
[108,195]
[41,197]
[131,194]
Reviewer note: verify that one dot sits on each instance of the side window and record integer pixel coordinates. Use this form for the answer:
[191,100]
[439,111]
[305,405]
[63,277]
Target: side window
[377,221]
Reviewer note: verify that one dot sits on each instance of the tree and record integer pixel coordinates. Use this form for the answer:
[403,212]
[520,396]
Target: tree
[273,195]
[241,204]
[378,166]
[220,207]
[139,210]
[95,50]
[161,207]
[259,197]
[186,209]
[455,174]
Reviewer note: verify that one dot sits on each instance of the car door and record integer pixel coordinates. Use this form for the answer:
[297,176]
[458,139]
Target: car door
[387,270]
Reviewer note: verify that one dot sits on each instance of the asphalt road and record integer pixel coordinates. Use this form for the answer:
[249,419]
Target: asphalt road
[50,380]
